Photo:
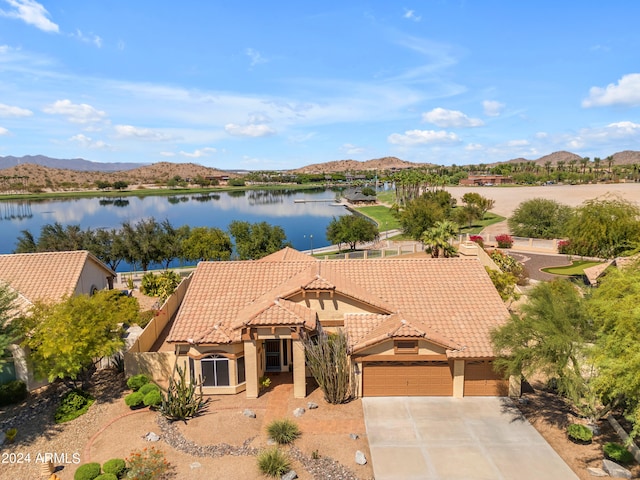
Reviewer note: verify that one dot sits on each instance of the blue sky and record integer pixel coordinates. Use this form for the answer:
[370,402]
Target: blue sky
[277,85]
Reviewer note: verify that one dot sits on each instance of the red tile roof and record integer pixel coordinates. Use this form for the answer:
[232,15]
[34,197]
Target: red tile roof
[450,301]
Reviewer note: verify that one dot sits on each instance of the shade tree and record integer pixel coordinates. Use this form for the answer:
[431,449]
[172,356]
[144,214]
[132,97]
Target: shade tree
[540,218]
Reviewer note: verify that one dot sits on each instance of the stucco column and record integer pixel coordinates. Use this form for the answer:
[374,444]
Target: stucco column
[251,368]
[458,378]
[299,372]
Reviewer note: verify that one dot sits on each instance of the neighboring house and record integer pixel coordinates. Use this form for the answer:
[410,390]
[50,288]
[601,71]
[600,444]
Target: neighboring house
[356,197]
[486,180]
[49,277]
[416,326]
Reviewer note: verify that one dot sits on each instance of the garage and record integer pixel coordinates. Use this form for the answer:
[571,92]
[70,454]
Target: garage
[480,380]
[392,379]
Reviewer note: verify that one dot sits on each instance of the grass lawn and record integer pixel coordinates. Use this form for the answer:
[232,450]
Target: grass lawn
[576,268]
[382,215]
[388,197]
[489,219]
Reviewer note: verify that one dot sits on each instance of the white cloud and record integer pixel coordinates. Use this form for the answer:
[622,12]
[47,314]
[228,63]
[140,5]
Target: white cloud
[129,131]
[11,111]
[250,130]
[255,57]
[492,108]
[542,135]
[617,134]
[351,149]
[411,15]
[517,143]
[450,118]
[88,142]
[32,13]
[3,131]
[90,38]
[473,147]
[423,137]
[75,113]
[625,92]
[168,154]
[199,153]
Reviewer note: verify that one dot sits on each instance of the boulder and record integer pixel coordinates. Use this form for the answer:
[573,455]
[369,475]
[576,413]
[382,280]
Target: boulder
[597,472]
[615,470]
[361,459]
[298,412]
[195,465]
[249,413]
[290,475]
[312,405]
[151,437]
[354,436]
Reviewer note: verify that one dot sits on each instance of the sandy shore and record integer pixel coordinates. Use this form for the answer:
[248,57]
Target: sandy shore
[508,198]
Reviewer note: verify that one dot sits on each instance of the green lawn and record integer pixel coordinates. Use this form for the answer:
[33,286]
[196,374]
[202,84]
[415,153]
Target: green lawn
[478,225]
[576,268]
[382,215]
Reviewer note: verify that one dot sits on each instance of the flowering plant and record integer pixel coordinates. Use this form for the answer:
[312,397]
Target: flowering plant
[504,241]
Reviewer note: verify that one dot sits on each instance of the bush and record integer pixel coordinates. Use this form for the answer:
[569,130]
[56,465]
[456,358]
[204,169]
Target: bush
[618,453]
[148,387]
[182,401]
[134,400]
[153,398]
[283,431]
[72,405]
[579,433]
[12,392]
[564,246]
[137,381]
[504,241]
[162,285]
[107,476]
[147,464]
[477,239]
[273,462]
[88,471]
[116,466]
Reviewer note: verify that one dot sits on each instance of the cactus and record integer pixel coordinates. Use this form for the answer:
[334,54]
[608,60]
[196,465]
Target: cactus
[181,400]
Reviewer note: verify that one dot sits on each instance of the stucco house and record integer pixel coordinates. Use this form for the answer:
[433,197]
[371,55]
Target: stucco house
[416,326]
[49,277]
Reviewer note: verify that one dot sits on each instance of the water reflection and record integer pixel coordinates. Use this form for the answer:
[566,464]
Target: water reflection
[16,210]
[116,202]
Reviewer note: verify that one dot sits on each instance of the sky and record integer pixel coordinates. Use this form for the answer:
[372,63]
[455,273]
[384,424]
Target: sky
[277,85]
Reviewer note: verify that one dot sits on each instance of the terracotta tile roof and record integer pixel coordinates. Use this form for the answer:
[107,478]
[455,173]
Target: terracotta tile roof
[47,276]
[450,300]
[288,254]
[284,312]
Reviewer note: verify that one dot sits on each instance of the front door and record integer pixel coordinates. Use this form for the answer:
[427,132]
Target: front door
[272,352]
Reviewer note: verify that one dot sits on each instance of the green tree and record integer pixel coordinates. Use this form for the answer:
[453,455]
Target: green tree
[120,184]
[505,284]
[550,337]
[613,306]
[58,238]
[436,238]
[141,242]
[351,229]
[369,191]
[170,241]
[540,218]
[419,215]
[257,240]
[66,338]
[483,204]
[8,333]
[604,228]
[26,243]
[107,246]
[204,243]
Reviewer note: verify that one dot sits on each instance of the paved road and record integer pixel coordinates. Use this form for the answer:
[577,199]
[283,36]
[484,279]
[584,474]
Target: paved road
[472,438]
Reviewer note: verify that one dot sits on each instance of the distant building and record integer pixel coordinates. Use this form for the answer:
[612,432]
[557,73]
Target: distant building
[487,180]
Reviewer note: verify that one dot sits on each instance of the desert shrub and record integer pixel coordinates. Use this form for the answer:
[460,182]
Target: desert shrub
[72,405]
[106,476]
[147,464]
[504,241]
[162,285]
[283,431]
[618,453]
[148,387]
[88,471]
[181,400]
[579,433]
[134,400]
[152,399]
[328,362]
[273,462]
[564,246]
[137,381]
[116,466]
[477,239]
[145,317]
[12,392]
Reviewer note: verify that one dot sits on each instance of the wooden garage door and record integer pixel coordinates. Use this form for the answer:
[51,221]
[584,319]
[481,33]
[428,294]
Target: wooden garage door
[391,379]
[481,380]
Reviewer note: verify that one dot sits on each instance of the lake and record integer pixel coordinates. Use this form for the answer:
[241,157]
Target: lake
[304,223]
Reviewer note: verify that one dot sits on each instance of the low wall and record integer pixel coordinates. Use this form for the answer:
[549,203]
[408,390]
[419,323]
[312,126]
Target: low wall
[158,365]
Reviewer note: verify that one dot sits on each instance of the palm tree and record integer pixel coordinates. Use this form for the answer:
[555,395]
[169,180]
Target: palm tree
[436,238]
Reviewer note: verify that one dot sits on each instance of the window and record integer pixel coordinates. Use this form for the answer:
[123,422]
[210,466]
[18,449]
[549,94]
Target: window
[285,354]
[406,346]
[192,370]
[240,368]
[215,371]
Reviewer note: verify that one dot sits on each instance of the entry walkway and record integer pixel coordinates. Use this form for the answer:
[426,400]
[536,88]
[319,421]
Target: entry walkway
[442,438]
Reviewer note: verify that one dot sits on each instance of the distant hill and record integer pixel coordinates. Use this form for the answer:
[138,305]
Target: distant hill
[385,163]
[79,164]
[627,157]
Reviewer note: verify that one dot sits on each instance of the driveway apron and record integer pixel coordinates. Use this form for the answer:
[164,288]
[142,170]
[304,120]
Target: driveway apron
[442,438]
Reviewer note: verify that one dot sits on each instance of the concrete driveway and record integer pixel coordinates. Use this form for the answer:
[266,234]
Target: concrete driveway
[470,438]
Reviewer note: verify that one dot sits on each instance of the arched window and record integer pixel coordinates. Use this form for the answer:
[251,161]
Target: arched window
[215,371]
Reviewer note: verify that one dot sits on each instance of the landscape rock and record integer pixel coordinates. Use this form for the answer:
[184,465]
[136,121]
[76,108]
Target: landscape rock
[361,459]
[298,412]
[249,413]
[195,465]
[615,470]
[312,406]
[271,441]
[597,472]
[594,428]
[354,436]
[152,437]
[290,475]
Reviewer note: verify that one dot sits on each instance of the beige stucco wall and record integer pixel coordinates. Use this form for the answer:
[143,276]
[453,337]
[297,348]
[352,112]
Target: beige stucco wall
[386,348]
[158,365]
[92,275]
[334,308]
[458,378]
